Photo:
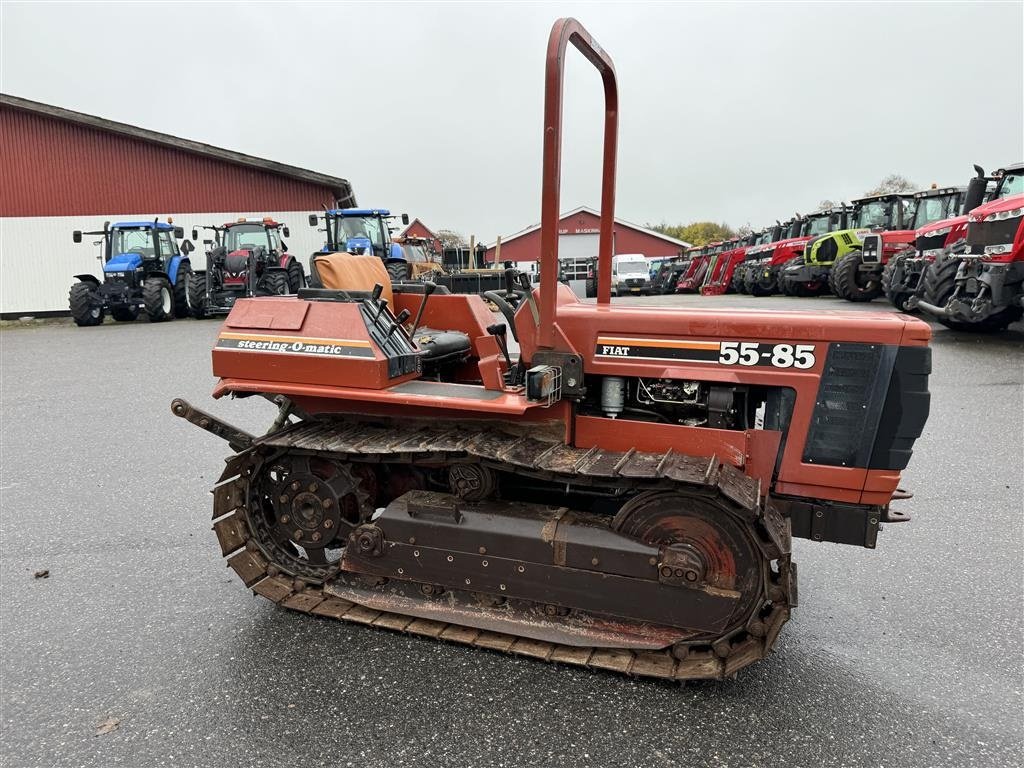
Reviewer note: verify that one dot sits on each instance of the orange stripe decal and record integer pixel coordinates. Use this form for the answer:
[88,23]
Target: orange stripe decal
[658,343]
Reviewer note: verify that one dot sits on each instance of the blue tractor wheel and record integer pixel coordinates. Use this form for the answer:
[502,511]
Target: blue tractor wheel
[84,309]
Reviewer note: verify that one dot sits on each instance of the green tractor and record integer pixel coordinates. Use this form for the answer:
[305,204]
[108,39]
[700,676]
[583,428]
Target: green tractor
[878,213]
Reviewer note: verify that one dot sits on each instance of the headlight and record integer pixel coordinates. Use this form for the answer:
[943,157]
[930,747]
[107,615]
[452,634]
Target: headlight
[995,250]
[939,231]
[1001,215]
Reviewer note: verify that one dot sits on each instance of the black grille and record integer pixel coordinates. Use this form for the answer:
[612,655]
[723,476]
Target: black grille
[931,242]
[849,403]
[982,233]
[871,248]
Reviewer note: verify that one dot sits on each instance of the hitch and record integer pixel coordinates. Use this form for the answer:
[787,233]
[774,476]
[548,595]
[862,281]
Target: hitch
[237,438]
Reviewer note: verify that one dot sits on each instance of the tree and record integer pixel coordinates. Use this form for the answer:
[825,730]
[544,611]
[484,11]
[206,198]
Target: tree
[451,239]
[892,183]
[825,204]
[695,233]
[744,229]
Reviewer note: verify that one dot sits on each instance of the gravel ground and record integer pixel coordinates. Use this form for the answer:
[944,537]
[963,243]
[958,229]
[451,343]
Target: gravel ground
[906,656]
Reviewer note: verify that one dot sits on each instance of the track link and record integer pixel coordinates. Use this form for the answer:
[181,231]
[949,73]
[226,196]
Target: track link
[344,441]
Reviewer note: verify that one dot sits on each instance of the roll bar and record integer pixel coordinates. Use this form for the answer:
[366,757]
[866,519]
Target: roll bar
[563,32]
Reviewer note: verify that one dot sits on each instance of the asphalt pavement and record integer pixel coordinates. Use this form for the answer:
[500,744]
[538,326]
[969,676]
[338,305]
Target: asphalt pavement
[142,649]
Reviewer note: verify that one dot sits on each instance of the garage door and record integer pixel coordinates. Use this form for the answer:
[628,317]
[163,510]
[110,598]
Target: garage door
[577,246]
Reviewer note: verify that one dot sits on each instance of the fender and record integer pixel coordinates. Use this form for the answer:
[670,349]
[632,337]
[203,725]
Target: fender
[88,279]
[174,264]
[395,260]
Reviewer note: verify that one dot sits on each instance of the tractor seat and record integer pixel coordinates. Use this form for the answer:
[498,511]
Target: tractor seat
[358,273]
[350,272]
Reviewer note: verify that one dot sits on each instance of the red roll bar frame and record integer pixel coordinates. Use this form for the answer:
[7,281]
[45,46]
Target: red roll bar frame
[563,32]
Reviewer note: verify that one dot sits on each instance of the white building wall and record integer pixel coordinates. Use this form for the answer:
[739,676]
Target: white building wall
[38,259]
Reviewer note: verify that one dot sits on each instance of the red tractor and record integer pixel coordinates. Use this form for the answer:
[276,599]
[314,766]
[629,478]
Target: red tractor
[744,274]
[902,278]
[720,275]
[697,272]
[244,258]
[621,494]
[982,289]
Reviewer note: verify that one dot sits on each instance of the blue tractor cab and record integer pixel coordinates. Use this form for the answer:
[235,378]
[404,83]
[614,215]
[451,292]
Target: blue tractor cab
[364,231]
[143,269]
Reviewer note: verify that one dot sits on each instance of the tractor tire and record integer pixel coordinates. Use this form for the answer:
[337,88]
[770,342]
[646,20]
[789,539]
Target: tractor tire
[82,309]
[158,299]
[124,314]
[398,270]
[197,295]
[844,279]
[275,283]
[897,298]
[181,290]
[296,277]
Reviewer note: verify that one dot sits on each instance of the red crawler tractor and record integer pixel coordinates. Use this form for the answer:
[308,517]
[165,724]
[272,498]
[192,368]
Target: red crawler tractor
[621,495]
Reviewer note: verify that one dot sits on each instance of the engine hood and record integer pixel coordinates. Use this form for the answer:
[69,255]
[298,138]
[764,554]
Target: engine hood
[1002,205]
[944,224]
[123,262]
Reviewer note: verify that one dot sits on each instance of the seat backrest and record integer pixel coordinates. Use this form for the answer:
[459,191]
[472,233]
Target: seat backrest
[353,272]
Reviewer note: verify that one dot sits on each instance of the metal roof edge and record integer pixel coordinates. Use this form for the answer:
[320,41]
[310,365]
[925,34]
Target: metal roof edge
[340,188]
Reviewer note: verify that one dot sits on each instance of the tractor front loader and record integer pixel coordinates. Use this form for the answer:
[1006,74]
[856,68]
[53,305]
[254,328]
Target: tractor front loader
[621,494]
[244,258]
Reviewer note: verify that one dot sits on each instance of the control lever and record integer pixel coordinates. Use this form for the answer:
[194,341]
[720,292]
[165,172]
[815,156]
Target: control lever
[400,318]
[524,281]
[499,332]
[428,288]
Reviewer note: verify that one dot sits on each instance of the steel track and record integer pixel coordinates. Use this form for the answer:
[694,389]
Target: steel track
[347,442]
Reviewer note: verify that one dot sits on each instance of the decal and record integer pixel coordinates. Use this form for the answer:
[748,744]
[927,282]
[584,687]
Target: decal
[744,353]
[295,345]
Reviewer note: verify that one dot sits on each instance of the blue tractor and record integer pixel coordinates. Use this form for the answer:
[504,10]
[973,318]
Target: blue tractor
[364,230]
[143,268]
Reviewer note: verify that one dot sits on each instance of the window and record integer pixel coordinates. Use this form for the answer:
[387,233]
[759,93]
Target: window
[1013,184]
[246,237]
[138,241]
[168,246]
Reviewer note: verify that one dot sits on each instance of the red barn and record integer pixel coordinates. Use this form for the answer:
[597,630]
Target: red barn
[578,237]
[62,170]
[417,228]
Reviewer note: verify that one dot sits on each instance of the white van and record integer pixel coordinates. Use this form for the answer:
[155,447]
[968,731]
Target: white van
[631,274]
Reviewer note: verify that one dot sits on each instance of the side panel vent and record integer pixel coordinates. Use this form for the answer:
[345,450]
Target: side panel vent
[849,404]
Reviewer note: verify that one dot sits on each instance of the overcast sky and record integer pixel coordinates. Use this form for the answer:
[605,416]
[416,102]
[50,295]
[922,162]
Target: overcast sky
[736,112]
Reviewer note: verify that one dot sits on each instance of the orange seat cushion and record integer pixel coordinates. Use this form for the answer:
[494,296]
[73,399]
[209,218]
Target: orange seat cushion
[353,272]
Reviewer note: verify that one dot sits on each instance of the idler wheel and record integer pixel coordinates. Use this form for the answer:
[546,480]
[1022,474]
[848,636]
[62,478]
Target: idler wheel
[705,546]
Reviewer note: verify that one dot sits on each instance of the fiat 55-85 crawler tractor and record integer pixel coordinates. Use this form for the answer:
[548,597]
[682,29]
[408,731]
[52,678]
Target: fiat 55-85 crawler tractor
[621,495]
